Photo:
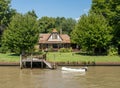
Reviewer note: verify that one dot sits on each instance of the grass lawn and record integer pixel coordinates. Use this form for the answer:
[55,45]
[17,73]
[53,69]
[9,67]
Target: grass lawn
[64,57]
[72,57]
[9,57]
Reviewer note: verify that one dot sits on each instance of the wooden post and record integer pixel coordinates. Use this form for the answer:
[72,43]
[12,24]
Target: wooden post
[42,60]
[20,61]
[24,64]
[42,63]
[31,61]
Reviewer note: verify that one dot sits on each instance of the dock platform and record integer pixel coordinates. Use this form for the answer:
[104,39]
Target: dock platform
[37,62]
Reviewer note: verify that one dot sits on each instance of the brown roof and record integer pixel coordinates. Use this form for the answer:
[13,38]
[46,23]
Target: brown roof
[44,38]
[65,37]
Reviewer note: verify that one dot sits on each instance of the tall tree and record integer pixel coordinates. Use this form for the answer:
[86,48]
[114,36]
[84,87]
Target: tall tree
[22,33]
[32,13]
[92,32]
[111,11]
[5,15]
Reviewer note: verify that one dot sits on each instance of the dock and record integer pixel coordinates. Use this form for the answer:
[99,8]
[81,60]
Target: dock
[30,61]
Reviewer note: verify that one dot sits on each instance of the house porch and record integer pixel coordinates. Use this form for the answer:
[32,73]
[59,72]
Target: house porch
[54,46]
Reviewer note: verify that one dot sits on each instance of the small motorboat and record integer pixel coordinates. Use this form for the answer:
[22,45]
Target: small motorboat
[83,69]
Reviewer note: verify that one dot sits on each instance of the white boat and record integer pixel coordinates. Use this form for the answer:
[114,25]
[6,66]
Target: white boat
[83,69]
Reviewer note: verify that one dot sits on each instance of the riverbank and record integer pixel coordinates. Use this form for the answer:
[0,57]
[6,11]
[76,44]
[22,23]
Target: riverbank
[65,59]
[88,64]
[9,64]
[68,64]
[77,57]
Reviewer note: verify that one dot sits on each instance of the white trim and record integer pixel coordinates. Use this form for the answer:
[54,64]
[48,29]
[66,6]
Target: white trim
[58,37]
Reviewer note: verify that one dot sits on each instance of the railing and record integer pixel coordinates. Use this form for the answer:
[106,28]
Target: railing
[43,56]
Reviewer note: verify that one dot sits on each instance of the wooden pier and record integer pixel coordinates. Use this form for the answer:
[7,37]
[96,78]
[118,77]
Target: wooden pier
[30,61]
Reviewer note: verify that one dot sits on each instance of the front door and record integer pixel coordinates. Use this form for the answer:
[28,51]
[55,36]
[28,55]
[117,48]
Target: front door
[55,45]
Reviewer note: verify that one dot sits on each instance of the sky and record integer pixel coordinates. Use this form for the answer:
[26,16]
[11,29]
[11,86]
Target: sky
[53,8]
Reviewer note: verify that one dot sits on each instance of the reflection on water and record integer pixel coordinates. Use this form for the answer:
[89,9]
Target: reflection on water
[69,74]
[95,77]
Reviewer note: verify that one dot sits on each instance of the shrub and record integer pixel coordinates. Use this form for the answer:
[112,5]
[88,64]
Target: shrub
[3,50]
[65,50]
[113,51]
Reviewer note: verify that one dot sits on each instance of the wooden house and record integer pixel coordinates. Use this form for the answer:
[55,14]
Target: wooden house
[54,41]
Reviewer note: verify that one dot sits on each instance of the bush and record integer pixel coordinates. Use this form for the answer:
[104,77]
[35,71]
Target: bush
[113,51]
[65,50]
[3,50]
[50,49]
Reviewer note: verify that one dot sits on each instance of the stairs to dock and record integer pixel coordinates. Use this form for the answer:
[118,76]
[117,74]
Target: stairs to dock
[48,64]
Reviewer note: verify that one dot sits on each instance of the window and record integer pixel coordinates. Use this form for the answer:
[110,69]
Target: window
[55,46]
[54,36]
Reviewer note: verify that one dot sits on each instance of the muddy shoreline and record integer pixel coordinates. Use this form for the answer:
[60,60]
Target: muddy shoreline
[89,64]
[69,63]
[9,64]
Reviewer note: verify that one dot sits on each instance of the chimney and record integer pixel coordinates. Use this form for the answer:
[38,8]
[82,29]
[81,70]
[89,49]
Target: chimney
[60,31]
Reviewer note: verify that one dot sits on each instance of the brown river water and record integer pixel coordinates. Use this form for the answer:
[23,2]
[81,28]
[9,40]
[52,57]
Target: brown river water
[95,77]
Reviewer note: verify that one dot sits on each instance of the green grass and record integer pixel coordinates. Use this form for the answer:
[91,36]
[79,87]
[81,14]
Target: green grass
[63,57]
[9,57]
[72,57]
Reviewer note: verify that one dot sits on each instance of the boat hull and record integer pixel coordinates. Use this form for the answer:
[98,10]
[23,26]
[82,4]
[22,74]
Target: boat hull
[73,70]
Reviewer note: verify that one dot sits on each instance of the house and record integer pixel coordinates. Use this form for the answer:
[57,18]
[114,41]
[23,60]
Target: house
[54,40]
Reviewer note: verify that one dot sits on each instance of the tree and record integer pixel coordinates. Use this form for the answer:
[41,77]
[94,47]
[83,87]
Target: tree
[68,25]
[92,32]
[46,24]
[110,9]
[32,13]
[5,15]
[58,23]
[22,34]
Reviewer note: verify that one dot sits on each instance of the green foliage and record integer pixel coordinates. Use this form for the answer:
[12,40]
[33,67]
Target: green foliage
[32,13]
[64,50]
[50,49]
[46,24]
[6,14]
[112,51]
[4,49]
[22,33]
[110,9]
[64,25]
[92,32]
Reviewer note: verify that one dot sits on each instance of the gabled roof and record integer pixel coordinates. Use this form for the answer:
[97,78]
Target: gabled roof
[44,38]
